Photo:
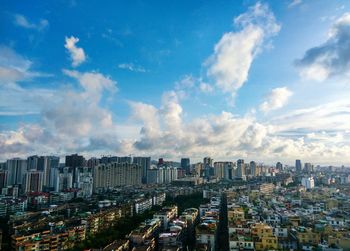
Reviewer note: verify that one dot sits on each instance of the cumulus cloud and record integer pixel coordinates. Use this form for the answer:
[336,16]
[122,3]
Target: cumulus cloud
[94,83]
[148,115]
[23,22]
[228,136]
[234,53]
[77,54]
[131,67]
[332,58]
[277,98]
[74,120]
[14,99]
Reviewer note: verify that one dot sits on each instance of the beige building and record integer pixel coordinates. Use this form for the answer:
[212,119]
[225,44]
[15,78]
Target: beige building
[116,175]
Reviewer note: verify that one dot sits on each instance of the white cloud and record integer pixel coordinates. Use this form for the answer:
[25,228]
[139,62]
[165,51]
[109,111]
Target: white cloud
[234,53]
[14,99]
[94,83]
[22,21]
[205,87]
[131,67]
[277,98]
[13,67]
[332,58]
[75,121]
[77,54]
[331,116]
[294,3]
[70,120]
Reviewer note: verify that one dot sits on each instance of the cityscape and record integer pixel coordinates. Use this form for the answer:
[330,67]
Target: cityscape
[210,205]
[153,125]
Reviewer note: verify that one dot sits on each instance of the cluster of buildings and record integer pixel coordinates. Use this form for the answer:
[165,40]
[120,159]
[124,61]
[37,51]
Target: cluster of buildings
[166,231]
[50,205]
[293,218]
[63,227]
[207,229]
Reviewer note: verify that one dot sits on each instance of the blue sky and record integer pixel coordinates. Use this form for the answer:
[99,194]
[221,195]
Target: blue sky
[263,80]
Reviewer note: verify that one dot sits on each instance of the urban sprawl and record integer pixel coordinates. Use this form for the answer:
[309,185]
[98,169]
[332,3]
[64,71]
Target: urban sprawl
[136,203]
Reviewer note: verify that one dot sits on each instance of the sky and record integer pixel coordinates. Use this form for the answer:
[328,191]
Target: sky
[259,80]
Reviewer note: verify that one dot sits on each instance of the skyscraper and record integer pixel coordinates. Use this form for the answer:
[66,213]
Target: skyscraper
[298,166]
[85,181]
[186,165]
[16,170]
[279,166]
[207,161]
[3,178]
[125,159]
[45,164]
[308,167]
[223,170]
[32,162]
[145,163]
[34,181]
[208,166]
[253,170]
[64,179]
[73,162]
[240,168]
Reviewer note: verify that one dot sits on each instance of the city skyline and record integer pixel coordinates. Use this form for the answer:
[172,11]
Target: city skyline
[229,80]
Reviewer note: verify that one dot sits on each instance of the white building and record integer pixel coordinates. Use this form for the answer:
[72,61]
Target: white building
[85,182]
[308,183]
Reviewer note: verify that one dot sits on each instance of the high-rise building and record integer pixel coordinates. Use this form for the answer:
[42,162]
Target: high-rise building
[208,166]
[207,161]
[279,166]
[3,179]
[308,167]
[54,176]
[253,169]
[75,161]
[199,169]
[125,159]
[223,170]
[3,166]
[219,169]
[153,176]
[145,163]
[32,162]
[16,170]
[92,162]
[45,164]
[186,165]
[240,168]
[64,179]
[167,175]
[116,174]
[298,166]
[85,182]
[34,181]
[308,183]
